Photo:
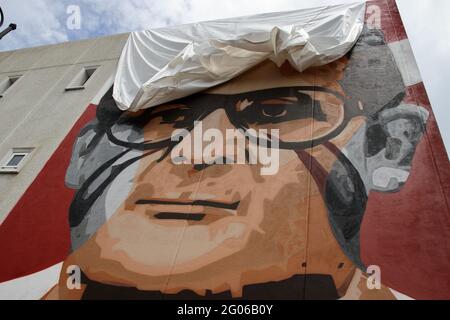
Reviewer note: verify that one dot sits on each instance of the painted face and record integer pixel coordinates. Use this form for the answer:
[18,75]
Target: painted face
[225,220]
[157,225]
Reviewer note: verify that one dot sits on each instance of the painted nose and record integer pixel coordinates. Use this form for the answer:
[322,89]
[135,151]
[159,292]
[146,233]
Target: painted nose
[217,120]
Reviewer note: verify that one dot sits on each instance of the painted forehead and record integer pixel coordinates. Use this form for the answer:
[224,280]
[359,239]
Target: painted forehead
[268,75]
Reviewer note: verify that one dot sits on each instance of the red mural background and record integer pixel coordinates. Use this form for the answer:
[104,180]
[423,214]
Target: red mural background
[35,235]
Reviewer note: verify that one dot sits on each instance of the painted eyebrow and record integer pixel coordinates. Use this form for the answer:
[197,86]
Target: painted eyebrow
[283,94]
[158,113]
[308,88]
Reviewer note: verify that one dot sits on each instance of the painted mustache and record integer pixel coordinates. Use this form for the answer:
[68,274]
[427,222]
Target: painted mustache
[186,216]
[205,203]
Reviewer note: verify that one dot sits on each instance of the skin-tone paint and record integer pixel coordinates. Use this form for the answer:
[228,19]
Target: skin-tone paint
[279,224]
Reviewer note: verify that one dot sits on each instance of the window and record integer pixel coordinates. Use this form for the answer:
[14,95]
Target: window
[7,83]
[80,80]
[14,161]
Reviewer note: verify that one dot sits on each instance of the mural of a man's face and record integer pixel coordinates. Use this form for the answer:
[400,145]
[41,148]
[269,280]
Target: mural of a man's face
[142,221]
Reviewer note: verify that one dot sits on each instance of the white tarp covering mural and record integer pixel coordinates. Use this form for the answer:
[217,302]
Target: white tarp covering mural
[160,65]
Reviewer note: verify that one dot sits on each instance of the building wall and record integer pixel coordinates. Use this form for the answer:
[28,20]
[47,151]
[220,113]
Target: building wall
[37,112]
[350,202]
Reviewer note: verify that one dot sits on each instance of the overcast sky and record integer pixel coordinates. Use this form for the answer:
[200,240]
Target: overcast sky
[45,22]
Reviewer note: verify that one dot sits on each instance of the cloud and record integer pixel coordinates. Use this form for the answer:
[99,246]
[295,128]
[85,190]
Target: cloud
[44,21]
[36,24]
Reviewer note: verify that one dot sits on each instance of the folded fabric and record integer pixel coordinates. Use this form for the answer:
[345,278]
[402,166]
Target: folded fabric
[161,65]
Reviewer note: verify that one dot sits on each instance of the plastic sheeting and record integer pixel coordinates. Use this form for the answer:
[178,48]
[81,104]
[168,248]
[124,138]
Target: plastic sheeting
[161,65]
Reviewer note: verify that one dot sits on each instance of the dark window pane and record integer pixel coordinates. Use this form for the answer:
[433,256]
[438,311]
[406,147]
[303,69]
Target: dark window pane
[15,160]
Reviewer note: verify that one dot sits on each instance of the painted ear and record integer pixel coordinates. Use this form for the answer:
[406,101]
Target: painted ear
[391,141]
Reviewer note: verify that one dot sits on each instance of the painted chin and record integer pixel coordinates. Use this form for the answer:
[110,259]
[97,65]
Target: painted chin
[153,246]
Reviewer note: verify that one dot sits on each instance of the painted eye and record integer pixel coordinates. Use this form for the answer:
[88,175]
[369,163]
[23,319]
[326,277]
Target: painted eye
[274,111]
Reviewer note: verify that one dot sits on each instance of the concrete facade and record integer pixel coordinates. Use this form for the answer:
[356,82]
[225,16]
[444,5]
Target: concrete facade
[37,111]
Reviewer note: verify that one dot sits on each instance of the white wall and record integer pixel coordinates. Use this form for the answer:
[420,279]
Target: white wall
[37,111]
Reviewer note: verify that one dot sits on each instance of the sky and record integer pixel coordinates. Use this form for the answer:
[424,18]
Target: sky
[42,22]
